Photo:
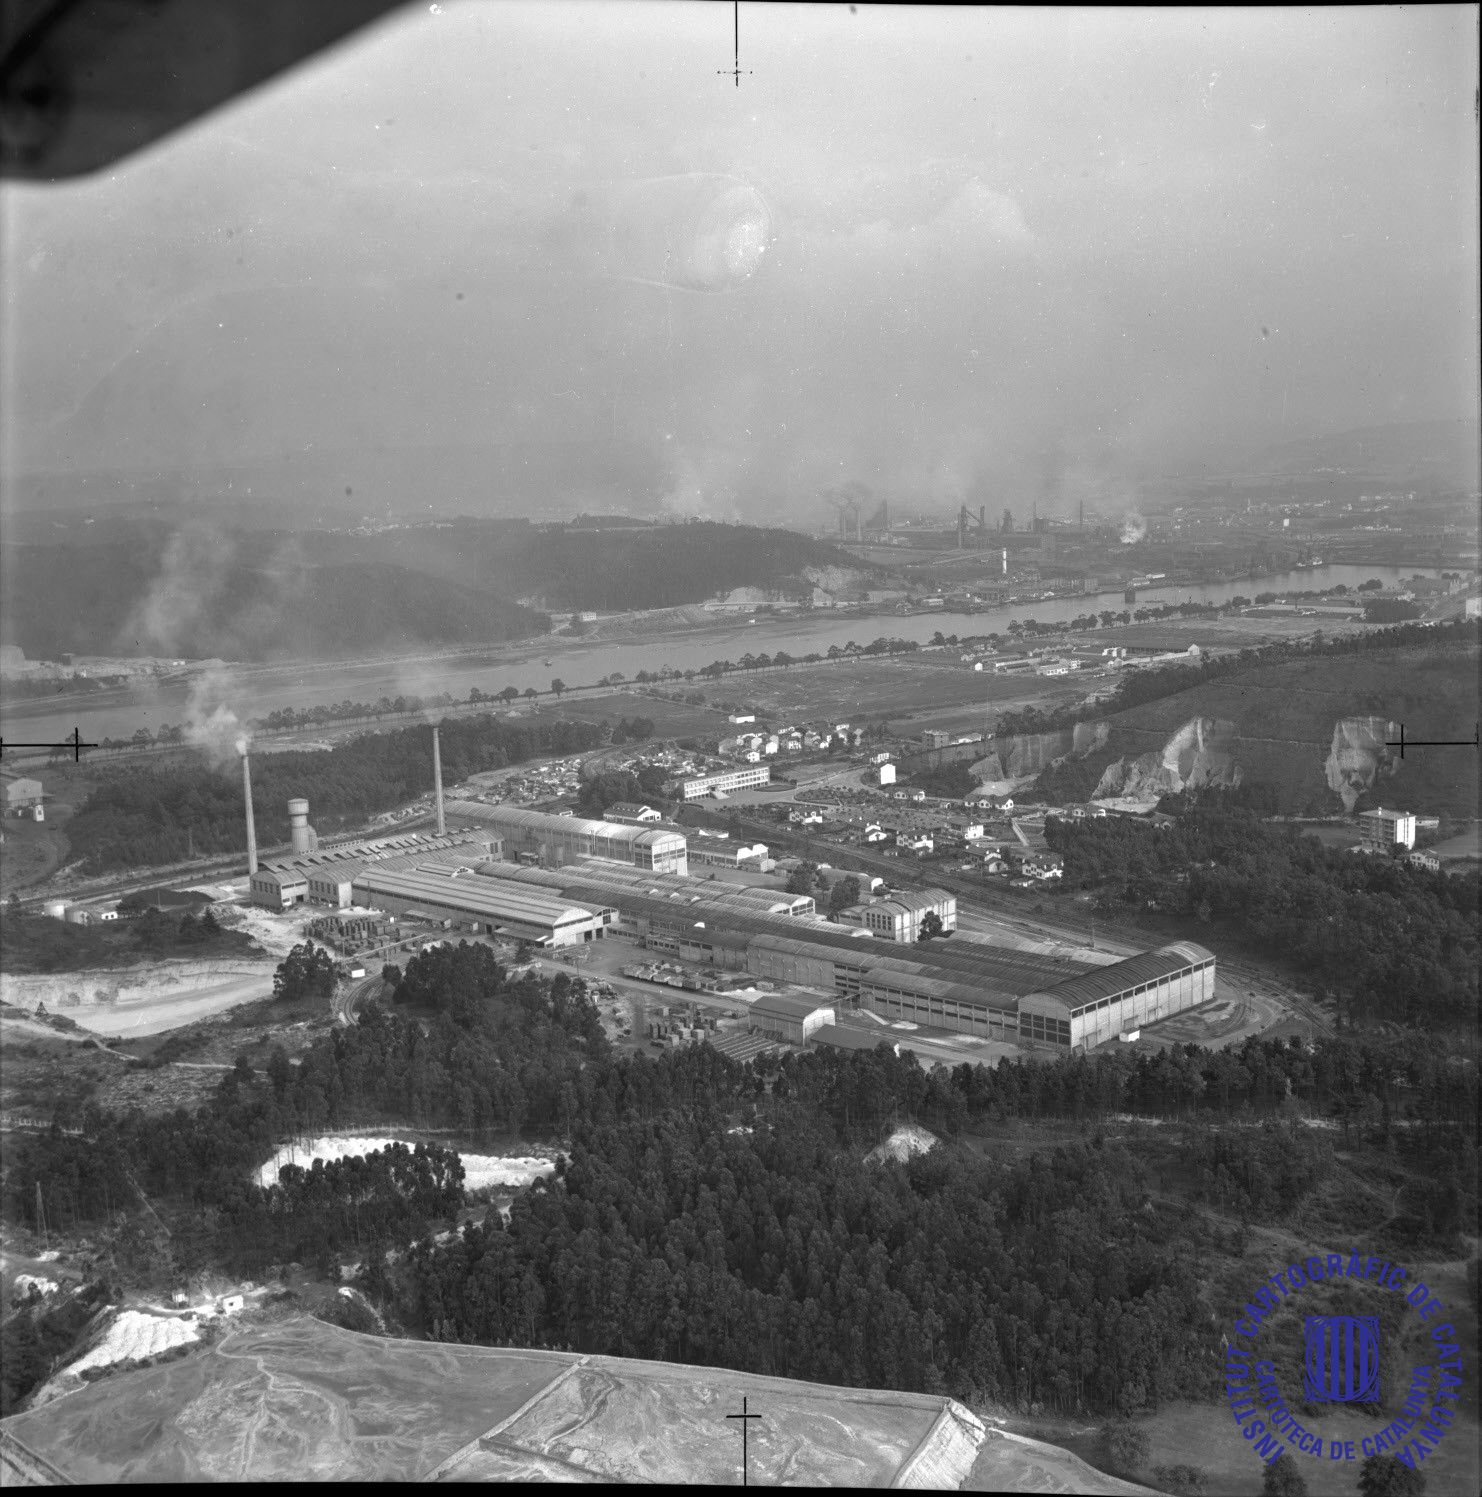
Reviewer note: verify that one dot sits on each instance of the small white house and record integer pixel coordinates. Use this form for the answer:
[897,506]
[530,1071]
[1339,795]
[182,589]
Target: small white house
[887,774]
[232,1304]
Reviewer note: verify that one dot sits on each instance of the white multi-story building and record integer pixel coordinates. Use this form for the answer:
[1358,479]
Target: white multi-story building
[1385,829]
[728,780]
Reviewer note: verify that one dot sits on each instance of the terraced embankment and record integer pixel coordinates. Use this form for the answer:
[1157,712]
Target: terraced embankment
[298,1400]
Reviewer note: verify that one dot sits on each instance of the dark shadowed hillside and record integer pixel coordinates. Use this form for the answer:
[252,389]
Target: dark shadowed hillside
[196,589]
[129,601]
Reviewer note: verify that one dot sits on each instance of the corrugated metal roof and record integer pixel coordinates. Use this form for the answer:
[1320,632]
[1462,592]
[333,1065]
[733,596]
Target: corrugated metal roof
[785,1006]
[1150,966]
[568,826]
[481,898]
[850,1039]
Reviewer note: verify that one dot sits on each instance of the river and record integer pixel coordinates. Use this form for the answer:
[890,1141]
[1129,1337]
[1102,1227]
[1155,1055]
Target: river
[254,691]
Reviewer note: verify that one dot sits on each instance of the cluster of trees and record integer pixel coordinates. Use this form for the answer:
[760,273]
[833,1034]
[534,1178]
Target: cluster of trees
[609,787]
[146,816]
[675,1232]
[686,1239]
[32,942]
[1390,940]
[308,971]
[34,1337]
[360,1204]
[947,781]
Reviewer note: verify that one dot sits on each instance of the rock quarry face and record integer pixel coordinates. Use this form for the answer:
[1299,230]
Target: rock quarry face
[1198,754]
[1023,756]
[1358,755]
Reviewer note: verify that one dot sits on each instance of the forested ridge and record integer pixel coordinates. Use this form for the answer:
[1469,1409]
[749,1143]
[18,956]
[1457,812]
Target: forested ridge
[146,815]
[714,1211]
[1390,940]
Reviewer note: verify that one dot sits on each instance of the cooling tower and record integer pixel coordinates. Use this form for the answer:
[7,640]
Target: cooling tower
[300,833]
[437,781]
[251,830]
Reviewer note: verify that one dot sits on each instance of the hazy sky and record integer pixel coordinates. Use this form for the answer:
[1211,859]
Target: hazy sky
[1012,251]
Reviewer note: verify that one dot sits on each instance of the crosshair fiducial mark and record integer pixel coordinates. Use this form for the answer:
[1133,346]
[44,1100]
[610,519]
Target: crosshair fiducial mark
[1402,743]
[75,743]
[735,72]
[745,1419]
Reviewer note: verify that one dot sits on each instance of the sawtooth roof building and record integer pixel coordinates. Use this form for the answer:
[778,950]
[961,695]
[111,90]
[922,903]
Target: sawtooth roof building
[493,907]
[964,985]
[553,841]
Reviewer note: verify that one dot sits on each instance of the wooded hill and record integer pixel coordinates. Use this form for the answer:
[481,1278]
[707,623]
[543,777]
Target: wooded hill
[200,590]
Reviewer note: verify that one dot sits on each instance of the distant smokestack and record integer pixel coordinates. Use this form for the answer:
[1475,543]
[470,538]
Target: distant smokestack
[437,781]
[247,801]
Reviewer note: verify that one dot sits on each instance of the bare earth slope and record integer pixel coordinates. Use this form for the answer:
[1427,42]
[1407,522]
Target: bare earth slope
[1315,729]
[301,1400]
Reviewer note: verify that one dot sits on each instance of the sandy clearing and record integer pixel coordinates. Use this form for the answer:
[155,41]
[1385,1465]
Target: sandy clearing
[906,1141]
[134,1335]
[481,1171]
[154,1017]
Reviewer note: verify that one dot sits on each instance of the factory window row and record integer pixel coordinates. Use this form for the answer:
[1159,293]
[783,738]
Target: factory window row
[1041,1027]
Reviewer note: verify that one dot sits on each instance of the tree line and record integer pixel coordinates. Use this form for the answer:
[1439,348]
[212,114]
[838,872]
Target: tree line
[720,1212]
[143,816]
[1387,939]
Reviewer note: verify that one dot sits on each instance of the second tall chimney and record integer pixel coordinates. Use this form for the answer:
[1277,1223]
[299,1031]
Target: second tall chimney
[437,780]
[251,830]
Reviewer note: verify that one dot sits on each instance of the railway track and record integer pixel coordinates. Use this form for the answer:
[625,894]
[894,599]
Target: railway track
[20,1466]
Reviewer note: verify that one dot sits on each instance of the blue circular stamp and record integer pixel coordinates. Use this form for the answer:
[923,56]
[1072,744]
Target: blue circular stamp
[1342,1361]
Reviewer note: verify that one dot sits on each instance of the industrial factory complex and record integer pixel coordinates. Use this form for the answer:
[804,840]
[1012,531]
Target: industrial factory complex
[557,881]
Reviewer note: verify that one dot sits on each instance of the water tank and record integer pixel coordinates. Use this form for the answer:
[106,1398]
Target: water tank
[300,833]
[55,909]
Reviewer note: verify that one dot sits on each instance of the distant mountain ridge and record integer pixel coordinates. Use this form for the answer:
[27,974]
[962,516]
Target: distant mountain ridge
[1447,451]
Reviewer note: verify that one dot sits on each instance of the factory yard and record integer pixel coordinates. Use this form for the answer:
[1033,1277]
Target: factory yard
[298,1399]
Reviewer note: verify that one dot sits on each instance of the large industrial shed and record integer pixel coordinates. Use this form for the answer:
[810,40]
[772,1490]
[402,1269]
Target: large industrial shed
[787,1018]
[1115,1000]
[327,877]
[557,840]
[962,985]
[491,906]
[899,917]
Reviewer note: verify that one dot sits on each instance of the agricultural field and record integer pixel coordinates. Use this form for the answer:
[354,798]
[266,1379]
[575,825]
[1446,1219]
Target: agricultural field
[900,687]
[670,719]
[299,1399]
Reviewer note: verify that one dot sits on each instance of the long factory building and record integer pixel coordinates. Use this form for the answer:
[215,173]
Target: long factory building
[962,985]
[553,841]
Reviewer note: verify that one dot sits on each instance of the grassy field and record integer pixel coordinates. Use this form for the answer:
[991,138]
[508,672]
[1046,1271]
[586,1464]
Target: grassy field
[918,688]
